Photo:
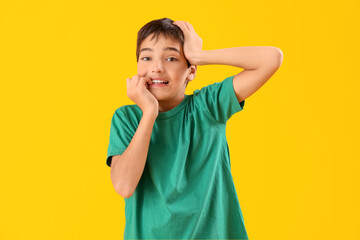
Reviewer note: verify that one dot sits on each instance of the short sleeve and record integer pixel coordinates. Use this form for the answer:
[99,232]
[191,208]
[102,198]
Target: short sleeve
[220,99]
[120,136]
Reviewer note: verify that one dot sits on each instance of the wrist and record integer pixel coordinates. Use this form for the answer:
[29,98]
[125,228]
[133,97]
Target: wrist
[195,58]
[151,113]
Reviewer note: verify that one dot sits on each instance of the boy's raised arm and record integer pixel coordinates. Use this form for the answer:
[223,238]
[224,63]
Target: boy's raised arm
[259,62]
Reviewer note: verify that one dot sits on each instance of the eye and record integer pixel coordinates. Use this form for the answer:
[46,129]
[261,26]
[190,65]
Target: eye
[172,58]
[143,58]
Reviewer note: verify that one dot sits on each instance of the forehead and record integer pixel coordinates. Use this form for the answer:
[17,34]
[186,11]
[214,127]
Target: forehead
[163,43]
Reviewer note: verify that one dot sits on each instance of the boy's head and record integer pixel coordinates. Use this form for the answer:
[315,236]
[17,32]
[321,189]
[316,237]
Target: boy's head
[155,62]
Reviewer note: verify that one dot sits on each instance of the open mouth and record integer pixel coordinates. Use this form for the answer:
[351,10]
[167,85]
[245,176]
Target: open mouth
[159,82]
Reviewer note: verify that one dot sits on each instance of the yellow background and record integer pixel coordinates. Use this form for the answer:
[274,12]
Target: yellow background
[294,147]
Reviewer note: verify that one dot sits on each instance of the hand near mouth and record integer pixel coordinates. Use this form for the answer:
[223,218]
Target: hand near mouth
[138,92]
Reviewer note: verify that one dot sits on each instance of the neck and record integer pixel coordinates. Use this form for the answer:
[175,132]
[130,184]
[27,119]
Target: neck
[167,105]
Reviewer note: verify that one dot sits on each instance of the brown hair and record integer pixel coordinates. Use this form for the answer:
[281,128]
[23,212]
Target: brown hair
[160,26]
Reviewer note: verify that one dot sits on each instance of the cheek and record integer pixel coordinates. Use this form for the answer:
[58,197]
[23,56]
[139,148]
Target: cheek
[141,69]
[178,69]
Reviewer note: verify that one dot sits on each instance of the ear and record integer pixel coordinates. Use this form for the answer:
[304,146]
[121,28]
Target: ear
[192,72]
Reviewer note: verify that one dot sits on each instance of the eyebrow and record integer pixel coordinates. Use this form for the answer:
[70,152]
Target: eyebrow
[164,49]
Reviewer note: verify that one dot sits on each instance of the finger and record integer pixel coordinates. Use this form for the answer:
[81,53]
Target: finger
[131,82]
[189,26]
[149,81]
[182,26]
[186,24]
[136,79]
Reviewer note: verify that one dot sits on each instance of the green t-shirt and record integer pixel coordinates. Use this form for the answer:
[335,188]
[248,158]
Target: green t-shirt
[186,190]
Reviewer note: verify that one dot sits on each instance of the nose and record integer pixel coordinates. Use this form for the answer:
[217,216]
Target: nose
[157,66]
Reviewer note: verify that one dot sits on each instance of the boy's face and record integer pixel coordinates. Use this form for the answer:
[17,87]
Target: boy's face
[169,65]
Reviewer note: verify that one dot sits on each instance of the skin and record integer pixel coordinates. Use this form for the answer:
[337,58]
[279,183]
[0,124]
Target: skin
[170,65]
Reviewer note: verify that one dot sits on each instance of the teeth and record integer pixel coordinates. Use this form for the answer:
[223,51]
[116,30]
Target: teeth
[159,81]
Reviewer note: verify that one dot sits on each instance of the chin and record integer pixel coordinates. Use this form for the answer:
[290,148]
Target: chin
[159,96]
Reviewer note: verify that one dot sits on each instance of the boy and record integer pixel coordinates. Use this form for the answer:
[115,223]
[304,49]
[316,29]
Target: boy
[168,152]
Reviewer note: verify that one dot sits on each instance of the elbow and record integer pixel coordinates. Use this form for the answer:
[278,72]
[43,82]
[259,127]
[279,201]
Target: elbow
[272,59]
[124,194]
[122,190]
[279,57]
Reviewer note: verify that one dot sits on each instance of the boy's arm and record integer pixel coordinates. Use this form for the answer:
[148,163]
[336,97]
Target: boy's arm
[127,168]
[259,64]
